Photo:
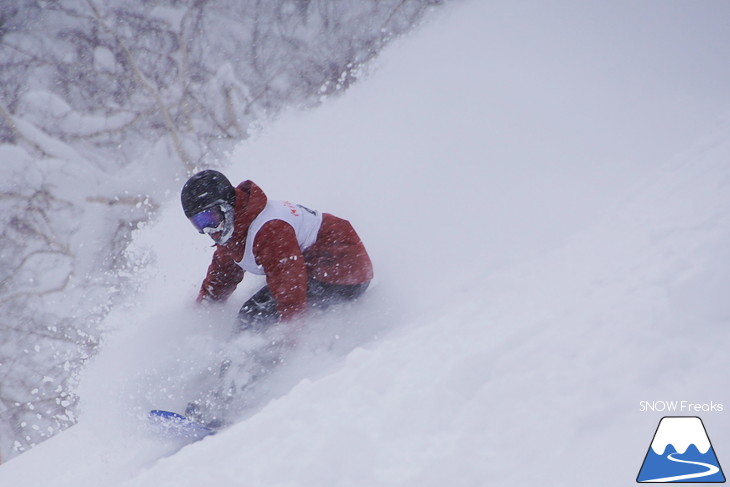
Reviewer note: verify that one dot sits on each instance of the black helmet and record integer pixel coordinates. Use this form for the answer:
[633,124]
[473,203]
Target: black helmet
[206,189]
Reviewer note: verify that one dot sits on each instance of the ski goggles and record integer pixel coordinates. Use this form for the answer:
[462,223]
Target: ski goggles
[212,218]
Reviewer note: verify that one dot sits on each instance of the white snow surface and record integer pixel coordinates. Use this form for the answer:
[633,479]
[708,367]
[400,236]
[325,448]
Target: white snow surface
[544,191]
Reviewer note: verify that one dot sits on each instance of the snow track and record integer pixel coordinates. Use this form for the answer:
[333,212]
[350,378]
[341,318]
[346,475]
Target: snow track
[711,470]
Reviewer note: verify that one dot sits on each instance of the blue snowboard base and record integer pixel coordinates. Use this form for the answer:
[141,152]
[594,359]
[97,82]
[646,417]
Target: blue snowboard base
[177,426]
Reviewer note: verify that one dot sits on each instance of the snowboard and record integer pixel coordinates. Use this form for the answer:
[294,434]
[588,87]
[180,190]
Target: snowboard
[172,425]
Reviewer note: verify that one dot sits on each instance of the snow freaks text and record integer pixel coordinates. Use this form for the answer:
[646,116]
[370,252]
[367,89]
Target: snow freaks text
[680,407]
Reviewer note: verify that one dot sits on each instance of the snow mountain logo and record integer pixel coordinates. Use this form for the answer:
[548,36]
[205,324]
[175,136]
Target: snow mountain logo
[680,452]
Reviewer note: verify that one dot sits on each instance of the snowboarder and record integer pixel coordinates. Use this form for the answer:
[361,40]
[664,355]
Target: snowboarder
[310,259]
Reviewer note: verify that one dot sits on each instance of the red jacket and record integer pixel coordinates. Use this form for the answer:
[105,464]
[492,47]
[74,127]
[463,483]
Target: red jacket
[338,256]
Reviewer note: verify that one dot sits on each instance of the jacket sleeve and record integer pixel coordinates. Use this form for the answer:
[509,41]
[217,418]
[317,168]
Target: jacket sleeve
[222,278]
[277,250]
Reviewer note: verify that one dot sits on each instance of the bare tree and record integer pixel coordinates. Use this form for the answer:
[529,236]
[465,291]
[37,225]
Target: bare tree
[92,88]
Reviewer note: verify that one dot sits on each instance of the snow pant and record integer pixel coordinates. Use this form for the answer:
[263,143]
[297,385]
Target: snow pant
[260,310]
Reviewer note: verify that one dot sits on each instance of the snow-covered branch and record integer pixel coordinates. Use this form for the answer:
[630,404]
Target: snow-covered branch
[105,106]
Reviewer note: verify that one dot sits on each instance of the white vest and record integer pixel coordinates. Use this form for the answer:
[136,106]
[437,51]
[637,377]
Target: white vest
[304,221]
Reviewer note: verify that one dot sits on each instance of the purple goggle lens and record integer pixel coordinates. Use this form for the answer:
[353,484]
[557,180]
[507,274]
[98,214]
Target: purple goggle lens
[210,218]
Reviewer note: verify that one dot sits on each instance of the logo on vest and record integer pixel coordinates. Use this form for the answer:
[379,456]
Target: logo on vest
[292,207]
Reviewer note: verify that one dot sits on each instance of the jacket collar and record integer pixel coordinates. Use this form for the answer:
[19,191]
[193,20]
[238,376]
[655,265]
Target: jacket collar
[250,201]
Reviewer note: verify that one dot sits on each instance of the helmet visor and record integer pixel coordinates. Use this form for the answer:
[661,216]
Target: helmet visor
[210,219]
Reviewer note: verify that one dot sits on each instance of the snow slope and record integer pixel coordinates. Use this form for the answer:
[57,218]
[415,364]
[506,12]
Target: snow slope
[544,192]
